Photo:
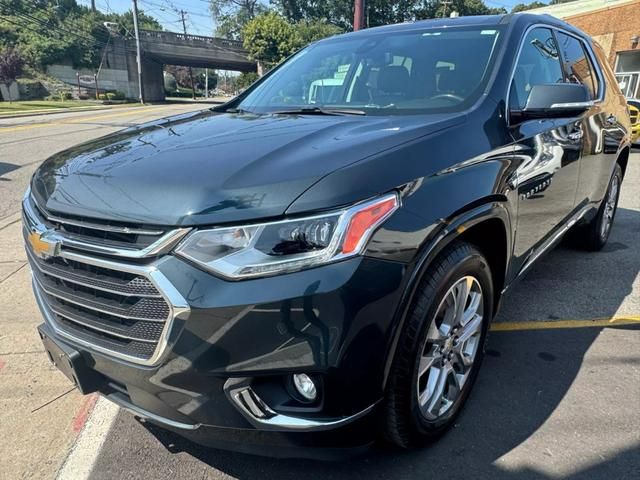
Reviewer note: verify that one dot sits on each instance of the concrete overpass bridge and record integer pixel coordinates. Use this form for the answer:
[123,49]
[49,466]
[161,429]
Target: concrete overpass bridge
[195,51]
[120,72]
[162,48]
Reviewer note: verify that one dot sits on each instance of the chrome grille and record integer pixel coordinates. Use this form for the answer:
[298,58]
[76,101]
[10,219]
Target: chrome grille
[108,238]
[125,310]
[118,235]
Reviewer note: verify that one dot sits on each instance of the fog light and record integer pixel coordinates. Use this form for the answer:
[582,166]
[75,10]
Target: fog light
[305,386]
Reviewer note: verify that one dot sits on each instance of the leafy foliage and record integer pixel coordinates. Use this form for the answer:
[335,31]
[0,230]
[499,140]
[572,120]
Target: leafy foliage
[231,16]
[311,31]
[245,79]
[378,12]
[178,76]
[269,38]
[49,31]
[11,64]
[522,7]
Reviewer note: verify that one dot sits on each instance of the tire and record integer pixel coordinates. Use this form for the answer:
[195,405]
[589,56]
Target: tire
[413,415]
[593,236]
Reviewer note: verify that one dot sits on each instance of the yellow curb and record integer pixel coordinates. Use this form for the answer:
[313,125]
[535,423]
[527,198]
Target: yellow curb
[554,324]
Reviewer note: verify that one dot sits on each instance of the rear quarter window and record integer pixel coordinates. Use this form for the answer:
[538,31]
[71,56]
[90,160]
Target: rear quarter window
[578,67]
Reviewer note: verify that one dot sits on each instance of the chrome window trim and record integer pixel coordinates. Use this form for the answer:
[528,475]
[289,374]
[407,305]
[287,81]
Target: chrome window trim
[553,29]
[593,62]
[163,245]
[588,104]
[178,306]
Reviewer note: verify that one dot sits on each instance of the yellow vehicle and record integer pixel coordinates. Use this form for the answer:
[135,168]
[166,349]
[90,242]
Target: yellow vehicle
[634,114]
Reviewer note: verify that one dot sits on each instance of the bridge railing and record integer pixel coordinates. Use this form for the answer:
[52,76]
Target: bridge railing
[180,39]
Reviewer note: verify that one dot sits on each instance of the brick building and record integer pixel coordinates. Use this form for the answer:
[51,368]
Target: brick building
[614,24]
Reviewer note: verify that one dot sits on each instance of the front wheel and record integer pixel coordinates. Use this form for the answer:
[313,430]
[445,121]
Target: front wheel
[440,348]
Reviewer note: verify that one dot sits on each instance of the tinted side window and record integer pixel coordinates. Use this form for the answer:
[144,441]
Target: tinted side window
[578,68]
[538,64]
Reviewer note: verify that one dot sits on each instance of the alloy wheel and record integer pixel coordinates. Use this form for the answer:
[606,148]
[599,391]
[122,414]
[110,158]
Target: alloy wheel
[450,348]
[610,207]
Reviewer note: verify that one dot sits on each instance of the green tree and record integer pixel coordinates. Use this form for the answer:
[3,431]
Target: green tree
[245,79]
[11,64]
[379,12]
[125,22]
[49,31]
[309,31]
[231,16]
[269,39]
[522,7]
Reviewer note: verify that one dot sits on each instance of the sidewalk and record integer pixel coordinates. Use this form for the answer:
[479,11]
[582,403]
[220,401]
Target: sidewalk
[40,413]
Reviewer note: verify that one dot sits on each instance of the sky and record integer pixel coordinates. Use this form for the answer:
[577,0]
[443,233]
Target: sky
[198,18]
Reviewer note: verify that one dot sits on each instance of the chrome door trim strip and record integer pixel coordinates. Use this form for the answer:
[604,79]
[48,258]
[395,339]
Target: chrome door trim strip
[553,240]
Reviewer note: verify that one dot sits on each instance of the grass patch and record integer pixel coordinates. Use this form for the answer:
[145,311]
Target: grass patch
[28,105]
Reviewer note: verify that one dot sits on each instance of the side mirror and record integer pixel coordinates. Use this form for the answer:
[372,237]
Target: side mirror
[556,100]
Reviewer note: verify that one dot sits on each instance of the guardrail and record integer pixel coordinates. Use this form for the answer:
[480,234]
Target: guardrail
[180,39]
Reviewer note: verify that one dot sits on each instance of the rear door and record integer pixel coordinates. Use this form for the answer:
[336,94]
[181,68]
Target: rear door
[548,149]
[603,134]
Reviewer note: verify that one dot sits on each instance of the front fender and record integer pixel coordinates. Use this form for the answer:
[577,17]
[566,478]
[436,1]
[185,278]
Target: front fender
[444,234]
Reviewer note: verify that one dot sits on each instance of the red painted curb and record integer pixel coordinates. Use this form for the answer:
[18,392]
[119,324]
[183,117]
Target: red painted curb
[83,414]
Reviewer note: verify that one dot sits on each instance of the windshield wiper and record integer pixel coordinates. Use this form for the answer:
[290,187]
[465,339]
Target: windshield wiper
[319,111]
[232,110]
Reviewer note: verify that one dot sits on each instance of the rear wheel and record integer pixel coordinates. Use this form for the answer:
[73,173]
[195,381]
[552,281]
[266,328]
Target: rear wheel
[441,347]
[594,235]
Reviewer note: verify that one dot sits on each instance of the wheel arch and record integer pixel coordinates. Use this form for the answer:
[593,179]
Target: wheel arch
[472,225]
[623,159]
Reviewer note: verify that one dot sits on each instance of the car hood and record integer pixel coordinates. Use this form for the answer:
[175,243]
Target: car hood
[211,167]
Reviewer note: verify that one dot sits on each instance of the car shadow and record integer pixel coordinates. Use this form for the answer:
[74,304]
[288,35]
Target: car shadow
[525,377]
[6,168]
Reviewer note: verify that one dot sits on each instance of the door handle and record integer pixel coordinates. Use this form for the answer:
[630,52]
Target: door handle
[575,136]
[612,120]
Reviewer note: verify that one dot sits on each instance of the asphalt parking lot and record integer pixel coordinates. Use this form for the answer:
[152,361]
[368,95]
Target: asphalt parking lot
[557,397]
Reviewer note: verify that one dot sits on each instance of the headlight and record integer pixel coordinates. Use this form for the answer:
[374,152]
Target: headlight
[288,245]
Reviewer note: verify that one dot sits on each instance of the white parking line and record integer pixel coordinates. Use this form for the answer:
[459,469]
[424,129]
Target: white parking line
[83,454]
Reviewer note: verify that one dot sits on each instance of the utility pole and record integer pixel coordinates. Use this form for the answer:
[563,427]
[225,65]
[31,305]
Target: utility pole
[446,3]
[358,15]
[138,52]
[206,83]
[184,27]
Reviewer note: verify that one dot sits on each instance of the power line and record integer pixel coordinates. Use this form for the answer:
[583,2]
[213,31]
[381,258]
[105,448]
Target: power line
[34,21]
[47,23]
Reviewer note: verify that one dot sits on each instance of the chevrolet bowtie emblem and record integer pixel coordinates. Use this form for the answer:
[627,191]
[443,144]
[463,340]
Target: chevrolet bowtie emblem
[44,245]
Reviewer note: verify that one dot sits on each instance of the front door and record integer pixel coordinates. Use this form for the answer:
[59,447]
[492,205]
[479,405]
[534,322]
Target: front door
[548,150]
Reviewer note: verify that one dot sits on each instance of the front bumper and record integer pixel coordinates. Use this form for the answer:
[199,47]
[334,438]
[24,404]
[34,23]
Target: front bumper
[225,366]
[635,133]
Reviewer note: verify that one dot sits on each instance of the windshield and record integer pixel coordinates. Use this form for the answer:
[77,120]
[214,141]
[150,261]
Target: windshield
[412,72]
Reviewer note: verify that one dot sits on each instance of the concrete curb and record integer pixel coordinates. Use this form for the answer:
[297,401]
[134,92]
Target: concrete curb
[85,450]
